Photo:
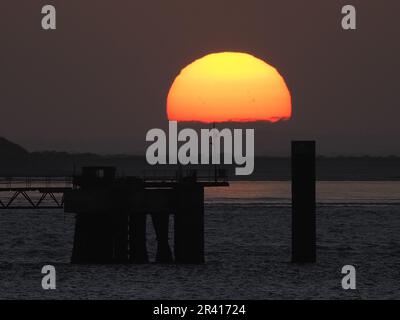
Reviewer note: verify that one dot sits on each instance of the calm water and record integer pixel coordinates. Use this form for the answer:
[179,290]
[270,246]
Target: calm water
[328,193]
[247,249]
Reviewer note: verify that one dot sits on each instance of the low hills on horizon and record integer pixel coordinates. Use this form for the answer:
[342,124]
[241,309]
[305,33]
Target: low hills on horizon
[15,161]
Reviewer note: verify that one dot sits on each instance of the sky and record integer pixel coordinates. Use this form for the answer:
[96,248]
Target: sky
[100,81]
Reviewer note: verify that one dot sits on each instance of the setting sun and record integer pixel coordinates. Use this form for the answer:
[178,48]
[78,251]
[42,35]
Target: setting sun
[229,86]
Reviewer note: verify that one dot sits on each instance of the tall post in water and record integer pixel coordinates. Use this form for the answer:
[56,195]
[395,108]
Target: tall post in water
[303,202]
[189,223]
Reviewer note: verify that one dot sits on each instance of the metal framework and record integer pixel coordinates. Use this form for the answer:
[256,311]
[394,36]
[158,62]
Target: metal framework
[47,187]
[31,203]
[35,190]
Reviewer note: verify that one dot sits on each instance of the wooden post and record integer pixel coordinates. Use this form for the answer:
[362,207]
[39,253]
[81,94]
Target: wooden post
[81,239]
[303,202]
[92,240]
[189,223]
[120,226]
[137,238]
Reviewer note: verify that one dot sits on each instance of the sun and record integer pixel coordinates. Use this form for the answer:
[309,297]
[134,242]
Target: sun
[229,86]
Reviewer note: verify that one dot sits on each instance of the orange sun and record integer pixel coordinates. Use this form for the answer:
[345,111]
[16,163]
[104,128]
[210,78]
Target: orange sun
[229,86]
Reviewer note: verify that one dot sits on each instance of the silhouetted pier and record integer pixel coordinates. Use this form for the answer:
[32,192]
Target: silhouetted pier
[111,216]
[20,192]
[111,211]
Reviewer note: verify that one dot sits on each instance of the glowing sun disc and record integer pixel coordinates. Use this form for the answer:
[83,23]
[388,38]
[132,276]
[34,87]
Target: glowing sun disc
[229,86]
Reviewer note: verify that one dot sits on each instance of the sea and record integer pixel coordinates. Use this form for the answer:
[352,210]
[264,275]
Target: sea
[247,244]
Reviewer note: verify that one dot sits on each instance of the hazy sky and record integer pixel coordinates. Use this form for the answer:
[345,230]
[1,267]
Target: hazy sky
[99,82]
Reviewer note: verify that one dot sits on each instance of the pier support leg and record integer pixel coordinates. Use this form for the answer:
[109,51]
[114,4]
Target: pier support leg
[161,227]
[81,240]
[92,240]
[120,239]
[137,238]
[303,202]
[189,224]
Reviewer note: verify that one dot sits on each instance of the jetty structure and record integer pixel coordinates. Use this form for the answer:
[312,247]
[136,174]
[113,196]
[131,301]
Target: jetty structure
[111,216]
[111,211]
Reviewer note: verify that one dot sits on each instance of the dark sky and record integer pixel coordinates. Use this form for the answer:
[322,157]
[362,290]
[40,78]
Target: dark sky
[99,82]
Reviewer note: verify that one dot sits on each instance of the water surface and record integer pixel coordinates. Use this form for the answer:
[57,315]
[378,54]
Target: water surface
[247,250]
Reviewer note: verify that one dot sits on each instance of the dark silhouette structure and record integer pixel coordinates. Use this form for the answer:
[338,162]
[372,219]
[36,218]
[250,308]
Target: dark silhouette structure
[13,190]
[111,217]
[303,202]
[111,211]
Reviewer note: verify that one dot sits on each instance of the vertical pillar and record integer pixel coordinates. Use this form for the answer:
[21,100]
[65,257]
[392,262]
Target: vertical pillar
[80,240]
[120,238]
[137,238]
[189,223]
[92,240]
[303,202]
[161,227]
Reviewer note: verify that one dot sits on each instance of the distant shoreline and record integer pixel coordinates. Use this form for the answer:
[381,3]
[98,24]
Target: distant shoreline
[16,161]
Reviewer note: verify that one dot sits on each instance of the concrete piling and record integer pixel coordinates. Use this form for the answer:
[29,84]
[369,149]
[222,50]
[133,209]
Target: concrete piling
[120,225]
[137,238]
[93,240]
[189,224]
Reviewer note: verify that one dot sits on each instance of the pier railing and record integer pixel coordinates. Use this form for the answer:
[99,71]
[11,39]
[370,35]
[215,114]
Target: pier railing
[217,175]
[33,192]
[48,192]
[34,183]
